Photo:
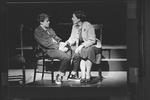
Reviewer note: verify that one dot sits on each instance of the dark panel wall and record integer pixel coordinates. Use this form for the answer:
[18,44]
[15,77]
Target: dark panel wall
[3,49]
[133,35]
[146,79]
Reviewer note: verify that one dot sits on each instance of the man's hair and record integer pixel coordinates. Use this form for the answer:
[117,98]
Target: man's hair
[80,15]
[41,17]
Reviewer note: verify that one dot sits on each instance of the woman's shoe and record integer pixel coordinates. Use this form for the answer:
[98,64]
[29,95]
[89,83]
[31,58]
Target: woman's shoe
[83,80]
[88,80]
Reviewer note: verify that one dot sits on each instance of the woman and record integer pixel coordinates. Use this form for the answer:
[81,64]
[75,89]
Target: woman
[83,34]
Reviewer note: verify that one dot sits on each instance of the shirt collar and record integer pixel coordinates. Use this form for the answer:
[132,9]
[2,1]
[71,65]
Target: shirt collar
[43,27]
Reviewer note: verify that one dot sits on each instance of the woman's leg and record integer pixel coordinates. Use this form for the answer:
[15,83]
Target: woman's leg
[88,64]
[82,67]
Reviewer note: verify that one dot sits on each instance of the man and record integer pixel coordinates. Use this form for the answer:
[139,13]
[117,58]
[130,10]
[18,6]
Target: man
[50,44]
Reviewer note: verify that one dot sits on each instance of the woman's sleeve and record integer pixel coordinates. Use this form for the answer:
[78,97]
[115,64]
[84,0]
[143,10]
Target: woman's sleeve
[72,37]
[91,37]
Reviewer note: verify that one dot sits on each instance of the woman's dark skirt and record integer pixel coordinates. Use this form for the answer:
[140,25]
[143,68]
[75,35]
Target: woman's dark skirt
[90,53]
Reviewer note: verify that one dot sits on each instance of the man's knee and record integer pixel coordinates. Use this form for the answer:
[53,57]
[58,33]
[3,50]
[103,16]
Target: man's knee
[68,58]
[77,56]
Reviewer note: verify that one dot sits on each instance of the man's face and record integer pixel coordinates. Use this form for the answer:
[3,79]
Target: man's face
[75,20]
[46,22]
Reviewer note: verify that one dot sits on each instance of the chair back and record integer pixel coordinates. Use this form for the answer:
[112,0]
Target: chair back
[36,49]
[98,31]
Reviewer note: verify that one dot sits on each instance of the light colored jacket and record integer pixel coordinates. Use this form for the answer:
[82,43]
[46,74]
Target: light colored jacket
[88,35]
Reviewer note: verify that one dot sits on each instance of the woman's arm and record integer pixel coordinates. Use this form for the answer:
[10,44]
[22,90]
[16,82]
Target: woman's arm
[73,37]
[90,37]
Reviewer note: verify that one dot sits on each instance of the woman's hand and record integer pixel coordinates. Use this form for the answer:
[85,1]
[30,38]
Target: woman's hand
[78,49]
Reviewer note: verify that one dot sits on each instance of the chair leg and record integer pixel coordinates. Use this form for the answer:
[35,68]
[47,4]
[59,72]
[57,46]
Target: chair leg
[24,74]
[43,68]
[78,73]
[52,71]
[70,70]
[34,71]
[100,75]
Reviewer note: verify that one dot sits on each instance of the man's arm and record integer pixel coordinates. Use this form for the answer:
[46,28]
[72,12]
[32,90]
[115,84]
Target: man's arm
[55,36]
[42,39]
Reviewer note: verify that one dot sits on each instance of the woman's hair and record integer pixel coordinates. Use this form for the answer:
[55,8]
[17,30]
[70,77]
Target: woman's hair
[41,17]
[80,15]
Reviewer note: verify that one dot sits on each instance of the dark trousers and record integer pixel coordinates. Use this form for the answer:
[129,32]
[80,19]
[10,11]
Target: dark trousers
[65,58]
[76,61]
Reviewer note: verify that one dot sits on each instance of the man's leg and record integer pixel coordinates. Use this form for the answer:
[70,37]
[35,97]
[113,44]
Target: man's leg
[62,56]
[76,62]
[65,62]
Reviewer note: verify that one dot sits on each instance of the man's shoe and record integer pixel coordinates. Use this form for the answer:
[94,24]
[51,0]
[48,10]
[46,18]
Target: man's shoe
[73,77]
[88,80]
[58,79]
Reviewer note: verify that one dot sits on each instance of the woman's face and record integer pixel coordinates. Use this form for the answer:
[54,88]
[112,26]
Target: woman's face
[75,20]
[46,22]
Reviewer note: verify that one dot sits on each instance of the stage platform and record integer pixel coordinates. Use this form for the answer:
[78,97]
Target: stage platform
[113,84]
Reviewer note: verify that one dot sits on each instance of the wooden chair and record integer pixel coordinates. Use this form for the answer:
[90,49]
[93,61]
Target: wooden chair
[39,55]
[98,31]
[19,60]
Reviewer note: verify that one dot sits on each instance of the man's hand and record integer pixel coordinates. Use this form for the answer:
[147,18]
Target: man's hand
[62,46]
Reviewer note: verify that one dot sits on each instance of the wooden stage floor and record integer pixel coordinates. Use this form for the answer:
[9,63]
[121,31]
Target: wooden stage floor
[113,84]
[111,79]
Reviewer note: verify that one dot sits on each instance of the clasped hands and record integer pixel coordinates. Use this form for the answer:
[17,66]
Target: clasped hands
[77,50]
[62,46]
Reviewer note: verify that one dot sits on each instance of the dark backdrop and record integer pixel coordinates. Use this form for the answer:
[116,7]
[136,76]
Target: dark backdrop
[111,14]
